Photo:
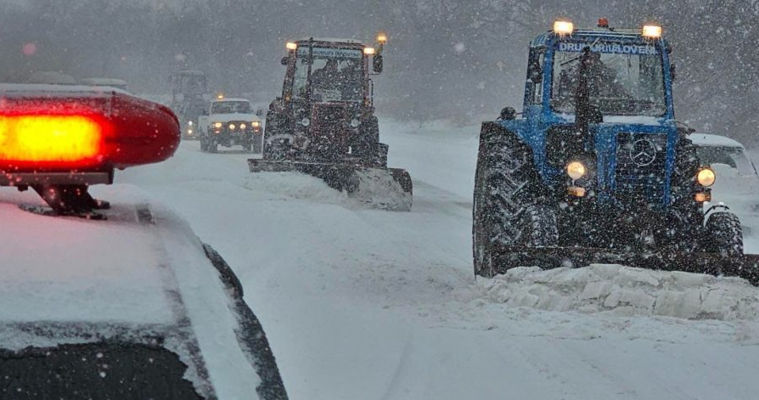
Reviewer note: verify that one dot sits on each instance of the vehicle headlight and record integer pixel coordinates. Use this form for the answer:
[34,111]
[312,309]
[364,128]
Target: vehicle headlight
[231,127]
[706,177]
[243,126]
[355,123]
[576,170]
[217,125]
[305,122]
[255,124]
[189,123]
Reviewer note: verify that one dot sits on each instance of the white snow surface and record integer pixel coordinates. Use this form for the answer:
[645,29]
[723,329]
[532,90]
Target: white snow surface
[626,291]
[117,278]
[361,303]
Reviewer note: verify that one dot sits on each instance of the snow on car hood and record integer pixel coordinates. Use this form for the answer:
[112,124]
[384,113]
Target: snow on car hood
[118,278]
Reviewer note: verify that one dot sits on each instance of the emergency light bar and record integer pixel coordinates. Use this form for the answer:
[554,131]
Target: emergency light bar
[81,130]
[50,139]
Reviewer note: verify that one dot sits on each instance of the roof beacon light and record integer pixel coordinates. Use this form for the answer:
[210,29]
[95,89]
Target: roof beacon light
[382,38]
[603,23]
[45,139]
[220,96]
[651,31]
[369,51]
[563,28]
[291,46]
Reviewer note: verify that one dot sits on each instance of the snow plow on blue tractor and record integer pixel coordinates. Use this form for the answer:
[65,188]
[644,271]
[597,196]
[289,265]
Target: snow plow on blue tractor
[597,170]
[324,123]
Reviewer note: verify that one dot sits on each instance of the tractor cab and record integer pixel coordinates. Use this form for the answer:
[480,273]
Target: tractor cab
[326,101]
[330,71]
[189,89]
[602,97]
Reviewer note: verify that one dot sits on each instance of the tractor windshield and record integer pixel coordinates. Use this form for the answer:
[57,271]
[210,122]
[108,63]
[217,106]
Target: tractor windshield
[335,74]
[230,107]
[622,79]
[190,84]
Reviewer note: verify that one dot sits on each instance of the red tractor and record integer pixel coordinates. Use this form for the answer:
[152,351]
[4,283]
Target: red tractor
[324,124]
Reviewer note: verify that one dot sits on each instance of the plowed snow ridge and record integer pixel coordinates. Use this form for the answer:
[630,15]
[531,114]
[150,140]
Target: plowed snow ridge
[625,291]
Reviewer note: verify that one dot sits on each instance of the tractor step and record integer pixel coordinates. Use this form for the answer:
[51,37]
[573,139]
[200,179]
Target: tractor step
[386,188]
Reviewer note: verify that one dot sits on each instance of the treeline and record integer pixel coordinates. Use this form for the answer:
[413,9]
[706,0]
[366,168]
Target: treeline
[456,59]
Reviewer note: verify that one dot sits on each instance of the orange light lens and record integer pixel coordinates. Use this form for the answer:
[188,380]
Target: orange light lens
[49,138]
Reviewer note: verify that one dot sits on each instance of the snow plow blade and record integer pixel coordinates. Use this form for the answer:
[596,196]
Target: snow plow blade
[746,267]
[385,188]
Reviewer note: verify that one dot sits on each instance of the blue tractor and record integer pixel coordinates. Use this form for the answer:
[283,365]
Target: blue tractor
[597,170]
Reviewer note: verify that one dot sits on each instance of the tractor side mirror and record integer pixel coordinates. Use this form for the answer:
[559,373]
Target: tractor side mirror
[673,71]
[284,61]
[508,113]
[536,73]
[378,64]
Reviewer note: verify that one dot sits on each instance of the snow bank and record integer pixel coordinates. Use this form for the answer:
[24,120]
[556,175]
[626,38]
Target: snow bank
[626,291]
[378,189]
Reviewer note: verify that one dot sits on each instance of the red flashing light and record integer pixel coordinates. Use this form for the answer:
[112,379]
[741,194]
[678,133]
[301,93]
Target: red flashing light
[603,23]
[83,132]
[50,140]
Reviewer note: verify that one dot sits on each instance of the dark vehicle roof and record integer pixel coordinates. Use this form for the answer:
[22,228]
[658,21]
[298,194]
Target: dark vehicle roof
[332,42]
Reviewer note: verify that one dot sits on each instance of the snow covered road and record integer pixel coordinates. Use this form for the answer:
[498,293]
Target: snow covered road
[370,304]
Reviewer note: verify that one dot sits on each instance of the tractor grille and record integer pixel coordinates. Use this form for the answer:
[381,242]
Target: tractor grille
[329,119]
[641,167]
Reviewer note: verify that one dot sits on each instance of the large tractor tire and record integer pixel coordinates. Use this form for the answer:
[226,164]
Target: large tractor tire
[508,211]
[724,234]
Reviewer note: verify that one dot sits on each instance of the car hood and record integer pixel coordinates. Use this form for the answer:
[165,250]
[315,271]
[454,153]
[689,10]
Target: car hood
[233,117]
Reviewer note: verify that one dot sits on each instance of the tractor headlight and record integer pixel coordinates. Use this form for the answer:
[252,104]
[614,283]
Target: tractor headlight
[563,28]
[355,123]
[651,31]
[706,177]
[217,125]
[576,170]
[305,122]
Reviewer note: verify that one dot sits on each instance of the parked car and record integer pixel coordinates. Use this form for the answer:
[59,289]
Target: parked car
[737,183]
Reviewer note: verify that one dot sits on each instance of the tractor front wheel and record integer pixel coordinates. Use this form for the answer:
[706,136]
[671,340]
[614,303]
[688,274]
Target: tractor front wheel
[724,234]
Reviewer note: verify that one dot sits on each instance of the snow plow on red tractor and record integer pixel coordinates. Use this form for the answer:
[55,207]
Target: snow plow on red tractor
[324,123]
[59,140]
[597,170]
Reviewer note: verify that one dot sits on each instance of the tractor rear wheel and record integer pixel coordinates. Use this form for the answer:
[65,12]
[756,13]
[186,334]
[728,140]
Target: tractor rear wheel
[507,211]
